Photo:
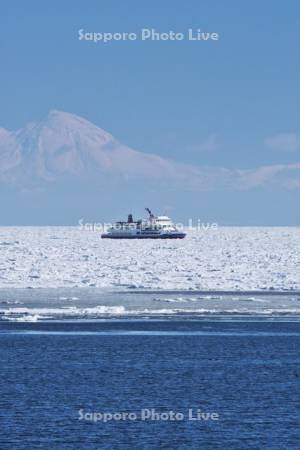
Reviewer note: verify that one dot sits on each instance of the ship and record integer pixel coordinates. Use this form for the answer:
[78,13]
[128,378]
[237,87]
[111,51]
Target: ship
[154,227]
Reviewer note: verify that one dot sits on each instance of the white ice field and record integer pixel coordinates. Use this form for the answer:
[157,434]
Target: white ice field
[227,258]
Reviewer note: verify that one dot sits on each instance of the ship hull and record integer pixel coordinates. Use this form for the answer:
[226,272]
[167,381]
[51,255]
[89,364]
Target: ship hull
[158,236]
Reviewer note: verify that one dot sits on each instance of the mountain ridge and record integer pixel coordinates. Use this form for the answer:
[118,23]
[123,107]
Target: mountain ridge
[66,148]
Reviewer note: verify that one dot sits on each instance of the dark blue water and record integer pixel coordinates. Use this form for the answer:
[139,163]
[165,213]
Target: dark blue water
[246,372]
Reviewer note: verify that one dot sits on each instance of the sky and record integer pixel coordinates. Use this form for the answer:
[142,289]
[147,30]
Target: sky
[230,103]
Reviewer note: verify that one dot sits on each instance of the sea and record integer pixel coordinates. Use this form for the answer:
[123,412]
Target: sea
[96,369]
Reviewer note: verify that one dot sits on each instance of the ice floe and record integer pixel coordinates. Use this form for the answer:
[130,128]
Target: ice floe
[228,258]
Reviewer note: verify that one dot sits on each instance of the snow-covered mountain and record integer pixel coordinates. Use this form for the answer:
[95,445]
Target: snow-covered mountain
[65,148]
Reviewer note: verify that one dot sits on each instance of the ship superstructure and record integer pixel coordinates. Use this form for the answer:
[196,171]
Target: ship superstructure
[154,227]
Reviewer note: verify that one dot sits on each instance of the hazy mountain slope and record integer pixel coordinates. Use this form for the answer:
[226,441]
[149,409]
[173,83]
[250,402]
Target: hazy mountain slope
[64,148]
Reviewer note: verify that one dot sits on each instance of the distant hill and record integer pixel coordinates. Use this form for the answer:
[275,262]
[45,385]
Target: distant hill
[64,155]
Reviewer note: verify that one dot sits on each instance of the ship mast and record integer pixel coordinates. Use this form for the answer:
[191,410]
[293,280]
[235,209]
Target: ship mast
[150,213]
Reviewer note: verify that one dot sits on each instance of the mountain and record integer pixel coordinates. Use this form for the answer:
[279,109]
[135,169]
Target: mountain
[64,168]
[65,149]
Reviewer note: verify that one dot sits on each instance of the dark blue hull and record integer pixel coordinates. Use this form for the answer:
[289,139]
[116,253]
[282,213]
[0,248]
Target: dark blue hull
[145,236]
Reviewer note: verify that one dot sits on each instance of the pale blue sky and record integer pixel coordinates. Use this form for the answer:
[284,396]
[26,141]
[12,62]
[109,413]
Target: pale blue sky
[216,103]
